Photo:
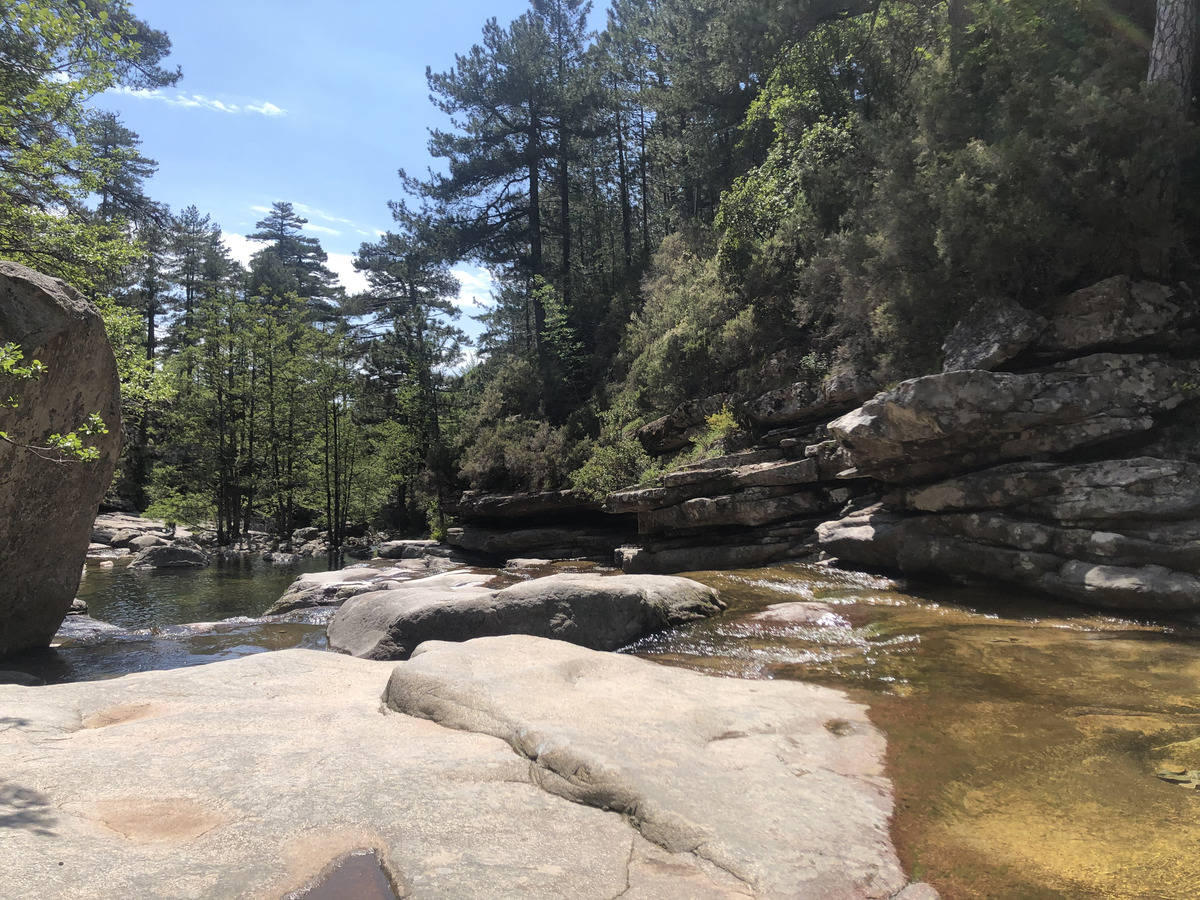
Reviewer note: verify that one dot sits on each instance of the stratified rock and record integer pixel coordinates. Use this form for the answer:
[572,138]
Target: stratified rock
[808,401]
[787,792]
[549,542]
[596,611]
[1114,312]
[1117,491]
[247,778]
[47,506]
[169,557]
[1097,568]
[942,424]
[990,334]
[751,507]
[479,505]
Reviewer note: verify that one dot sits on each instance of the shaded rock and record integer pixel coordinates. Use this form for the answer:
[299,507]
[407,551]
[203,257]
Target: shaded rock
[169,557]
[1077,564]
[1114,312]
[601,612]
[808,401]
[48,507]
[754,506]
[993,332]
[733,552]
[406,549]
[548,542]
[142,541]
[505,506]
[675,430]
[941,424]
[803,806]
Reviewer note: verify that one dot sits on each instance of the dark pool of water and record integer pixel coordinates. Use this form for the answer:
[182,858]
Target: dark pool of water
[355,876]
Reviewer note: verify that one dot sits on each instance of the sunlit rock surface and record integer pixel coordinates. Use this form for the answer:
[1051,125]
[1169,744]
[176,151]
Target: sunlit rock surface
[247,778]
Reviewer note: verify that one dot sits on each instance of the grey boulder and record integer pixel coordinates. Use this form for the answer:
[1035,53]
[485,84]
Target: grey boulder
[596,611]
[169,556]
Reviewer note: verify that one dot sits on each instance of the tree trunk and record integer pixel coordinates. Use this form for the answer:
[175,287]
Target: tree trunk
[1173,53]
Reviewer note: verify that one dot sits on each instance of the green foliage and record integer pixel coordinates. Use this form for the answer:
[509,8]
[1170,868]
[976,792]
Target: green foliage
[56,55]
[144,388]
[617,459]
[692,335]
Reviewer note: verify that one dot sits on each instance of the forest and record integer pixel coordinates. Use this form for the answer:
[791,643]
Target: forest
[704,197]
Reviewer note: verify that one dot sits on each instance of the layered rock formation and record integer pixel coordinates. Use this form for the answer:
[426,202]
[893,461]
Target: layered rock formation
[1056,452]
[48,502]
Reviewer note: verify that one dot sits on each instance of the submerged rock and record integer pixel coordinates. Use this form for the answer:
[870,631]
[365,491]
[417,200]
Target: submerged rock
[602,612]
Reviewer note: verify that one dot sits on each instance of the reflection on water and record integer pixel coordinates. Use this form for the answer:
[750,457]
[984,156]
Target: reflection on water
[175,618]
[1024,736]
[223,590]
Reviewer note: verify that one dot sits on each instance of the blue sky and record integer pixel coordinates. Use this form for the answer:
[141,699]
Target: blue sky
[314,103]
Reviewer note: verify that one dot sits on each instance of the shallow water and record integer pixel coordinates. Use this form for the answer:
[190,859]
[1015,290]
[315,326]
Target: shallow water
[1023,736]
[177,618]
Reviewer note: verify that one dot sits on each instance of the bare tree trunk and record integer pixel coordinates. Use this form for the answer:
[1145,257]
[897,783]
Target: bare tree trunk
[1173,53]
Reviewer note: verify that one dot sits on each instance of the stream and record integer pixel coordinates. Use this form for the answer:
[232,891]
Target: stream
[1025,738]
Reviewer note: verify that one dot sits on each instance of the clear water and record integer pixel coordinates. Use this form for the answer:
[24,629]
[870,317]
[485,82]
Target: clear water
[1024,737]
[176,618]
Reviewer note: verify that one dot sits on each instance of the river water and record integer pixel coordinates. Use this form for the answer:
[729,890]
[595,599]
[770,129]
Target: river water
[1024,737]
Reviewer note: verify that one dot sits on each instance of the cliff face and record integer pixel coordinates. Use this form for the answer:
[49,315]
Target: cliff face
[1056,452]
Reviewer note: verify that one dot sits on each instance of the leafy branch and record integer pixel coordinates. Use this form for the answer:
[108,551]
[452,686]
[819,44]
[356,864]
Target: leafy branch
[59,448]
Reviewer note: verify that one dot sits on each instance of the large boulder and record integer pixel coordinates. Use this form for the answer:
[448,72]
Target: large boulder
[169,556]
[597,611]
[47,506]
[991,333]
[1112,313]
[247,778]
[942,424]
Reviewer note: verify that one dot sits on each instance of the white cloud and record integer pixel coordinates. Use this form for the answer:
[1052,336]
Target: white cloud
[342,265]
[475,287]
[199,101]
[309,211]
[241,247]
[321,229]
[266,108]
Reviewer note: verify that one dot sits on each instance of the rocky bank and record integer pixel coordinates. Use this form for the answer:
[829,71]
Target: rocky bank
[502,767]
[1056,452]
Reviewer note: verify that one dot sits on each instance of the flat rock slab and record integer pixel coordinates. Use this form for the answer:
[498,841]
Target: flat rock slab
[601,612]
[244,779]
[780,784]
